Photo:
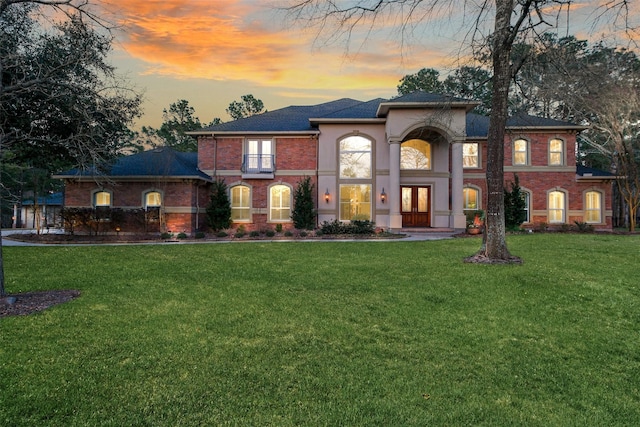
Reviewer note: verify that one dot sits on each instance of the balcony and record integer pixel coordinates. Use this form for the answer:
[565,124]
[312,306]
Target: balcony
[260,166]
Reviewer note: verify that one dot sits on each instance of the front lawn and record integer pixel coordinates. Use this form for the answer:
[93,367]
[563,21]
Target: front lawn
[326,333]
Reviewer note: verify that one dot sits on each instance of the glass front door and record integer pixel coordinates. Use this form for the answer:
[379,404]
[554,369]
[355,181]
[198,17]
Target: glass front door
[415,206]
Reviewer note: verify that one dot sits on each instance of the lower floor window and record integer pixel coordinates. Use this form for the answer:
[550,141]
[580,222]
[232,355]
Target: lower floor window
[240,206]
[556,206]
[280,203]
[470,196]
[593,207]
[355,202]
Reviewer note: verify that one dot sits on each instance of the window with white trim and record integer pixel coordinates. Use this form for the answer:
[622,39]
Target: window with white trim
[556,206]
[593,207]
[471,197]
[102,205]
[152,204]
[240,203]
[520,152]
[280,203]
[556,152]
[470,157]
[259,156]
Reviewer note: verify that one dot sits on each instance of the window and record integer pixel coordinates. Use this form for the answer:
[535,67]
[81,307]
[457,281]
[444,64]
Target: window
[280,203]
[355,202]
[102,204]
[152,199]
[355,157]
[152,204]
[556,152]
[520,152]
[556,207]
[258,156]
[527,205]
[240,203]
[470,196]
[415,154]
[470,155]
[593,207]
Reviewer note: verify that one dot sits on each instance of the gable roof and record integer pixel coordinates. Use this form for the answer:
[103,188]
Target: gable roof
[163,162]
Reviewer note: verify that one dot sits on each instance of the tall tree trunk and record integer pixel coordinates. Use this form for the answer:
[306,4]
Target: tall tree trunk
[494,246]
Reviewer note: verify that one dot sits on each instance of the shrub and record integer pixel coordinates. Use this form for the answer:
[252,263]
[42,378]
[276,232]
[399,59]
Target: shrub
[583,227]
[166,235]
[304,213]
[199,235]
[288,233]
[219,207]
[240,232]
[279,228]
[514,206]
[182,235]
[354,227]
[303,233]
[254,233]
[270,233]
[222,234]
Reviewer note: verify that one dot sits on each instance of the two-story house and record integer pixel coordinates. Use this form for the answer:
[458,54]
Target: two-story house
[417,161]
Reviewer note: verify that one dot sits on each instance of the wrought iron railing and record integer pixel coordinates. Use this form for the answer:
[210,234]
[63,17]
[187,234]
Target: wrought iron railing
[258,163]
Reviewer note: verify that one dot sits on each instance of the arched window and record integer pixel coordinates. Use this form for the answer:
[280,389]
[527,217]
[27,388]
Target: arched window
[415,154]
[556,206]
[153,199]
[556,152]
[355,157]
[593,207]
[280,203]
[520,152]
[240,203]
[471,199]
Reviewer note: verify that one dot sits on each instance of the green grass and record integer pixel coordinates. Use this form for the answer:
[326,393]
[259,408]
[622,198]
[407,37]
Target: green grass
[326,333]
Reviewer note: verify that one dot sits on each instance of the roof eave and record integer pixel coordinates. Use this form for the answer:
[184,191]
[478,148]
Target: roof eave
[261,132]
[547,128]
[346,121]
[384,107]
[132,177]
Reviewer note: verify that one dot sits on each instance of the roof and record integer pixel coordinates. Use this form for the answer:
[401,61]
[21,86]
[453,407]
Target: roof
[160,162]
[49,199]
[305,119]
[587,173]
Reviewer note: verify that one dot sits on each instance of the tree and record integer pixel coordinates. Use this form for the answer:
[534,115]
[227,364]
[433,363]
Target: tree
[512,21]
[471,83]
[426,80]
[247,107]
[304,213]
[61,103]
[219,207]
[178,120]
[514,206]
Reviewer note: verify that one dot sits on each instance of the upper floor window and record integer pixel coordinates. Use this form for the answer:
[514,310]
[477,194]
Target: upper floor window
[471,198]
[556,207]
[470,157]
[593,207]
[520,152]
[280,203]
[415,154]
[240,203]
[355,157]
[556,152]
[259,156]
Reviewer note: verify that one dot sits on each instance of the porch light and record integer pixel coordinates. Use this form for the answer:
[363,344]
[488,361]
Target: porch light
[326,196]
[383,196]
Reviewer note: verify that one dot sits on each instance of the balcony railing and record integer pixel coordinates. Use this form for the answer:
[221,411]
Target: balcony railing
[258,164]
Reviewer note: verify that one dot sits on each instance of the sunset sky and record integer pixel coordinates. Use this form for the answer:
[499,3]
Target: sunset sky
[211,52]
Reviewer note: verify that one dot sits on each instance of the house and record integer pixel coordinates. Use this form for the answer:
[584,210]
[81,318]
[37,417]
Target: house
[417,161]
[42,212]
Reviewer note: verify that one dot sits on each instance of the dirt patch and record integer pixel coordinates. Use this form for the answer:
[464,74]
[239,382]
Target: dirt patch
[32,302]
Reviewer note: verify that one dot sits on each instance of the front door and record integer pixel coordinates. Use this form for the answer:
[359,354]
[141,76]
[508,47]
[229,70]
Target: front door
[415,206]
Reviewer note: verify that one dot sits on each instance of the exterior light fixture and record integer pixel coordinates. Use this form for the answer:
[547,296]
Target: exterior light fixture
[326,196]
[383,196]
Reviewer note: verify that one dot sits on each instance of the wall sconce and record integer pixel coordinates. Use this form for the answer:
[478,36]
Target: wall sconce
[326,196]
[383,196]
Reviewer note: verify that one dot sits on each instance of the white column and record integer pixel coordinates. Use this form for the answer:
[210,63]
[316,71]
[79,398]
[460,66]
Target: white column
[457,219]
[395,217]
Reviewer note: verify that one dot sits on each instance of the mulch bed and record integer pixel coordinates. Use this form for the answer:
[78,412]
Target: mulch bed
[33,302]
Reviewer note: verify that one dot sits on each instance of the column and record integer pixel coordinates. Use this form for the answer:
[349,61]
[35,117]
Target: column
[457,220]
[395,217]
